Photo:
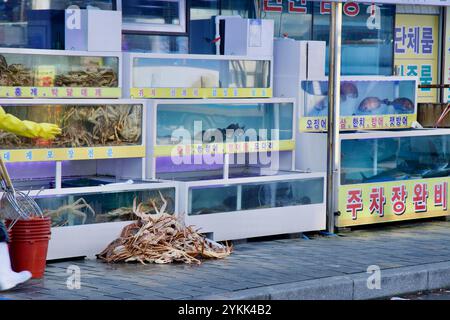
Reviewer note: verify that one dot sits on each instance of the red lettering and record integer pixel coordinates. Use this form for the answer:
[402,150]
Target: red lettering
[398,199]
[354,202]
[440,195]
[297,9]
[420,197]
[351,9]
[377,201]
[272,7]
[325,7]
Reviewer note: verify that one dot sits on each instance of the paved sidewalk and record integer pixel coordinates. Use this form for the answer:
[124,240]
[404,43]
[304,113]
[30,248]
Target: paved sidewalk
[412,257]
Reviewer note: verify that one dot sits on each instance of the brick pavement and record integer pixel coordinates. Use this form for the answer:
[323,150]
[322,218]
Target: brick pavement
[252,265]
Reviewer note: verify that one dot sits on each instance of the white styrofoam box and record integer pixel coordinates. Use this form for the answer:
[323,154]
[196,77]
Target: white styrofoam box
[93,30]
[249,37]
[295,61]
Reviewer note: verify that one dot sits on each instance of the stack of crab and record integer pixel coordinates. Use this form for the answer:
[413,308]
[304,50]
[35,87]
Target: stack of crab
[15,74]
[161,238]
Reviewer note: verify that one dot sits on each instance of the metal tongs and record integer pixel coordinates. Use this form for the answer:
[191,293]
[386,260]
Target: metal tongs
[15,205]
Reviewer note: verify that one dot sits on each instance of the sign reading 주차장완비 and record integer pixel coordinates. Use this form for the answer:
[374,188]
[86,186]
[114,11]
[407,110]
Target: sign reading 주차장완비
[416,51]
[392,201]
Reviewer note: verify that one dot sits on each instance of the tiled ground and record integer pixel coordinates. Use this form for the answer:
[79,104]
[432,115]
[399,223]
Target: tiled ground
[252,265]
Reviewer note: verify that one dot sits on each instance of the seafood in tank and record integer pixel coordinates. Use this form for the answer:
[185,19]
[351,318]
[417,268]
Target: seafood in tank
[82,125]
[260,195]
[349,90]
[15,74]
[103,207]
[209,122]
[57,71]
[393,159]
[401,105]
[362,97]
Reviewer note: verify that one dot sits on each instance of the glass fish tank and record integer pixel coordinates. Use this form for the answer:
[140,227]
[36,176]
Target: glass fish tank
[381,159]
[219,122]
[240,196]
[105,206]
[199,72]
[27,68]
[207,167]
[82,125]
[373,103]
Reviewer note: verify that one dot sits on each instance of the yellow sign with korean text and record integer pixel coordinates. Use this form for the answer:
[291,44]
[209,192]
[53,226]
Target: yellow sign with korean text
[381,122]
[392,201]
[222,148]
[416,51]
[204,93]
[62,154]
[59,92]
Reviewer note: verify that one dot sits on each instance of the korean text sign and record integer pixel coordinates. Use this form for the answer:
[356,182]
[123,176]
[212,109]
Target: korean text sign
[416,51]
[393,201]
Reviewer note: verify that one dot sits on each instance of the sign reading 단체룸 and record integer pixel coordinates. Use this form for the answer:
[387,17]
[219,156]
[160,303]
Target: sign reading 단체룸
[416,51]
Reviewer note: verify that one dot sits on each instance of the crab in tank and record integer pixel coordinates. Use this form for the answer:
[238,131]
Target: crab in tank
[70,214]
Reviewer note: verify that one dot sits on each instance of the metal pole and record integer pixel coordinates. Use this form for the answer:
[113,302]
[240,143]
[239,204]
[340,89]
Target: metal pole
[334,92]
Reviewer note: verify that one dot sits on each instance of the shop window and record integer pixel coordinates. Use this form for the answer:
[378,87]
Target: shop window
[367,32]
[367,37]
[153,15]
[38,24]
[202,28]
[243,8]
[203,9]
[291,18]
[155,43]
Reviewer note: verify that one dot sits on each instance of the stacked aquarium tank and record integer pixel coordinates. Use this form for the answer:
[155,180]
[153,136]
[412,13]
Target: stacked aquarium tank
[90,130]
[387,176]
[87,177]
[254,203]
[86,219]
[197,135]
[366,103]
[233,162]
[28,73]
[196,76]
[386,169]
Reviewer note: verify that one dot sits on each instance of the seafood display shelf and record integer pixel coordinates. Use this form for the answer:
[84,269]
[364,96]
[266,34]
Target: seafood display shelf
[91,129]
[386,175]
[207,129]
[367,103]
[32,73]
[196,76]
[87,219]
[249,206]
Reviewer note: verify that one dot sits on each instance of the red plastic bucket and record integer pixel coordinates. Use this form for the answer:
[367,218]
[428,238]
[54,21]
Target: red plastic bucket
[31,222]
[29,255]
[29,245]
[44,223]
[30,230]
[31,236]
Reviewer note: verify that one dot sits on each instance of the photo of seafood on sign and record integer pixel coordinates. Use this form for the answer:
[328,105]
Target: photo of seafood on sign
[366,103]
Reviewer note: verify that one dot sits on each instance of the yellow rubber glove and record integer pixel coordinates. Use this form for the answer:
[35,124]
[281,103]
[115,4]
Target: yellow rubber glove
[27,128]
